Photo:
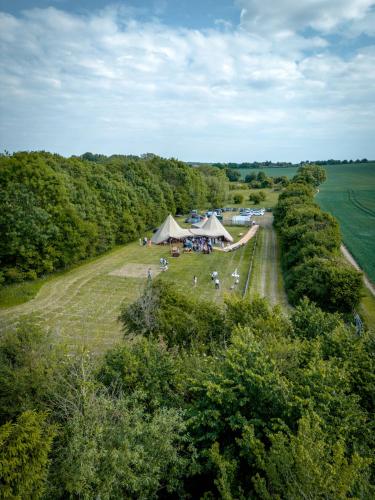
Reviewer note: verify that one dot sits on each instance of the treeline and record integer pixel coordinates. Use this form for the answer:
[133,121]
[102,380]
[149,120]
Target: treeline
[196,402]
[310,243]
[337,162]
[56,211]
[254,164]
[282,164]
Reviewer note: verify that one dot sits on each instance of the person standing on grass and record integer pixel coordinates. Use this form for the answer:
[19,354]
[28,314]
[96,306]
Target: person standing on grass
[195,281]
[217,283]
[149,275]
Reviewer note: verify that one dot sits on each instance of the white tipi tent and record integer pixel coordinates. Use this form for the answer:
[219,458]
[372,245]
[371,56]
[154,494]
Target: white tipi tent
[213,228]
[200,223]
[169,229]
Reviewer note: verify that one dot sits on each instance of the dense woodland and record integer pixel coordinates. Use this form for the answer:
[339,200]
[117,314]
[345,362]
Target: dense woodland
[56,211]
[196,401]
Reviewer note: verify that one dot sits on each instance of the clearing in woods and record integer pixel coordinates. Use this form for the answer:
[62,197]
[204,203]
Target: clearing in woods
[81,307]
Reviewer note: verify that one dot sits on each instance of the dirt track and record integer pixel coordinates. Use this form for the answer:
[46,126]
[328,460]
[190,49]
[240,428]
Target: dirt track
[349,257]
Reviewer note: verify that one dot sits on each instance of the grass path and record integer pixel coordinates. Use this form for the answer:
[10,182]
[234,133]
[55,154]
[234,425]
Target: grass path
[266,279]
[80,307]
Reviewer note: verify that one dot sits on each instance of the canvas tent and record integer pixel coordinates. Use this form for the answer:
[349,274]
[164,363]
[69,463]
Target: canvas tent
[169,229]
[200,223]
[212,228]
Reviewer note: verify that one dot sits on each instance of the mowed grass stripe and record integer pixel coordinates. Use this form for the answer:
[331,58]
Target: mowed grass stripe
[81,307]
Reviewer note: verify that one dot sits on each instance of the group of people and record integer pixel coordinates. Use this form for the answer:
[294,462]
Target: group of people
[201,244]
[144,242]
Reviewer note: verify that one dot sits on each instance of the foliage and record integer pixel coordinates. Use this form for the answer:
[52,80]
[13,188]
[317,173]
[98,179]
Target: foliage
[144,365]
[310,240]
[24,449]
[256,198]
[237,199]
[26,370]
[268,407]
[233,175]
[163,311]
[55,211]
[110,447]
[306,466]
[311,174]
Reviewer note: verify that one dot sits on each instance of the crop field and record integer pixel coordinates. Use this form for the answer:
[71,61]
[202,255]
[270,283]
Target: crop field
[349,194]
[81,307]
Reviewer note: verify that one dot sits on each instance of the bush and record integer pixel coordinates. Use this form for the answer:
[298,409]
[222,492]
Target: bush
[237,199]
[163,311]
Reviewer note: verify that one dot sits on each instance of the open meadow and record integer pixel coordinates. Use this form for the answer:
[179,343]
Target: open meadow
[81,307]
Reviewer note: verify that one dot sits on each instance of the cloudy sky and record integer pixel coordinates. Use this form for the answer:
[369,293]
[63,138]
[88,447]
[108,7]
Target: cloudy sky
[200,80]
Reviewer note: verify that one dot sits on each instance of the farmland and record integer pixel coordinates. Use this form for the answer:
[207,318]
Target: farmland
[349,194]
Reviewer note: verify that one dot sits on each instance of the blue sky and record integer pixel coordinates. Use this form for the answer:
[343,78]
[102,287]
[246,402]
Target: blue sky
[201,80]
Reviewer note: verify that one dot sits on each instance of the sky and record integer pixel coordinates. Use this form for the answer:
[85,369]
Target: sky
[207,80]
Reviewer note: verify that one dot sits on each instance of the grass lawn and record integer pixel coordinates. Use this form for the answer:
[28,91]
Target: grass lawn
[80,307]
[366,309]
[266,277]
[270,201]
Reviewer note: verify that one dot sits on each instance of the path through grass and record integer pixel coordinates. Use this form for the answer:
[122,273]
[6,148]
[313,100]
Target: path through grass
[266,278]
[80,307]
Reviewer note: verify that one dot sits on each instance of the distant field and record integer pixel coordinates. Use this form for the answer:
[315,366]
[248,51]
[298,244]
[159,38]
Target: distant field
[349,194]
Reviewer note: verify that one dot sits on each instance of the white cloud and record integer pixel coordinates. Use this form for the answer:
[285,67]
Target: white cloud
[105,82]
[261,16]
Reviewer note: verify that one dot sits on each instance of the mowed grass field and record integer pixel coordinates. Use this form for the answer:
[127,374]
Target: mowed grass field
[270,201]
[80,307]
[349,194]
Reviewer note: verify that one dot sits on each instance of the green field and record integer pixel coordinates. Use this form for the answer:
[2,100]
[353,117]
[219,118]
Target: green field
[271,198]
[81,307]
[349,194]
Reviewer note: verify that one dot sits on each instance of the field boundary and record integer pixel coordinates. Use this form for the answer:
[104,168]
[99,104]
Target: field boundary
[349,257]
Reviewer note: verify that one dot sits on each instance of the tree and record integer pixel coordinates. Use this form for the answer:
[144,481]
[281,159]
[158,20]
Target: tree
[24,449]
[311,174]
[237,199]
[111,446]
[328,283]
[256,198]
[27,370]
[250,177]
[233,175]
[306,466]
[163,311]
